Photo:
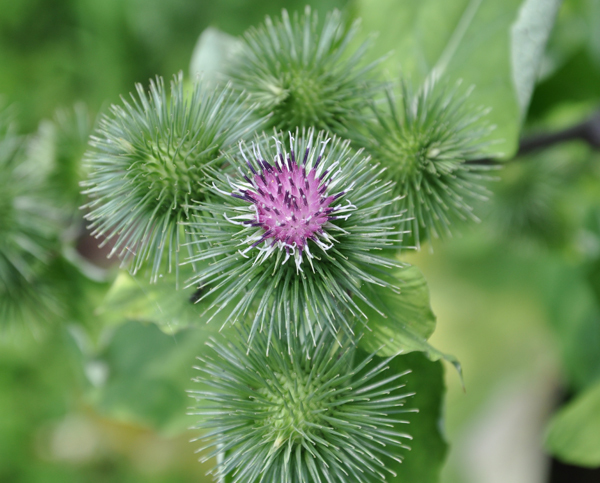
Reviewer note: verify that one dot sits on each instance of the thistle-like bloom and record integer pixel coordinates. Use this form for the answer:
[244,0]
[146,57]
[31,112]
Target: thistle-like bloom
[147,165]
[294,232]
[60,144]
[292,204]
[526,207]
[319,416]
[305,73]
[426,140]
[30,224]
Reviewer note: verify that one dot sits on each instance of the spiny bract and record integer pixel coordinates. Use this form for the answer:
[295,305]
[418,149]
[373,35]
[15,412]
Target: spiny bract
[294,232]
[304,73]
[147,162]
[319,416]
[425,140]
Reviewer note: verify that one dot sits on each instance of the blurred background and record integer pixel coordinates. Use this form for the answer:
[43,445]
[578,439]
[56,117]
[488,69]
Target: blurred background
[517,296]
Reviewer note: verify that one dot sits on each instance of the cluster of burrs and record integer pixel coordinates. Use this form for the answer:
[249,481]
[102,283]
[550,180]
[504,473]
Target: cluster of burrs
[293,236]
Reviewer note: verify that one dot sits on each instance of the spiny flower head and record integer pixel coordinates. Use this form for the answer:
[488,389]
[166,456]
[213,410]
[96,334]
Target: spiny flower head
[426,140]
[304,73]
[315,414]
[30,226]
[147,165]
[527,207]
[291,202]
[313,201]
[60,144]
[29,223]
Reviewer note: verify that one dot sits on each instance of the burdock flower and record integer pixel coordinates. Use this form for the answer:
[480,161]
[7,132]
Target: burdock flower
[317,414]
[426,140]
[303,72]
[147,165]
[30,227]
[292,236]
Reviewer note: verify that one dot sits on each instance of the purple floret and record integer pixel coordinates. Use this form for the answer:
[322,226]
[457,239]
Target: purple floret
[291,205]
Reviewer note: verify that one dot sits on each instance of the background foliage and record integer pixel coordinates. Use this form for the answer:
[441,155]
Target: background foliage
[517,297]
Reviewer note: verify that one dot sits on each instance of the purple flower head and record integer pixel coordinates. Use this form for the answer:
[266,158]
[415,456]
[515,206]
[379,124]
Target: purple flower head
[292,201]
[290,204]
[297,196]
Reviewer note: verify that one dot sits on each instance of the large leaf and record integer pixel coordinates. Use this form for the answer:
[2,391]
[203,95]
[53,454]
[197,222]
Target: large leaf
[574,432]
[407,321]
[478,41]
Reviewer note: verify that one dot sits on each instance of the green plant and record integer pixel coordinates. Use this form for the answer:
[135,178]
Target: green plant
[148,164]
[305,73]
[277,207]
[310,201]
[309,413]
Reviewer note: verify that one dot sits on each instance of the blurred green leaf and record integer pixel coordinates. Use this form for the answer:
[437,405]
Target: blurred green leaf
[529,35]
[408,320]
[410,307]
[147,373]
[575,29]
[135,298]
[38,377]
[79,287]
[574,314]
[468,40]
[573,433]
[576,81]
[211,54]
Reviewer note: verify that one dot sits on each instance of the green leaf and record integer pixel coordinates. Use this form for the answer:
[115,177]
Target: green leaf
[574,33]
[529,35]
[465,39]
[411,307]
[408,321]
[147,373]
[172,309]
[134,298]
[574,314]
[573,434]
[428,447]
